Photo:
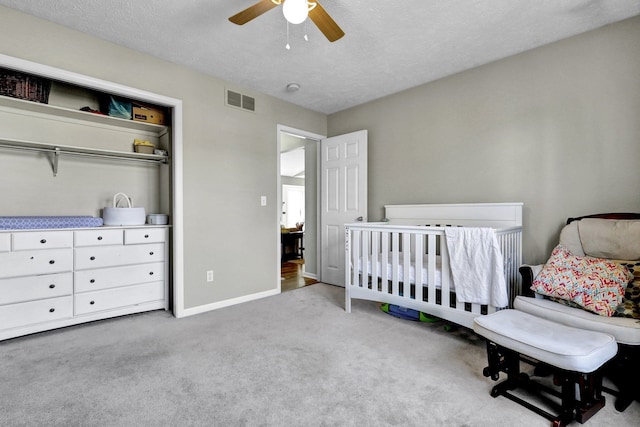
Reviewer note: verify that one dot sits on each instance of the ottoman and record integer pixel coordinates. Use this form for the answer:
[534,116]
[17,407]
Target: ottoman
[574,356]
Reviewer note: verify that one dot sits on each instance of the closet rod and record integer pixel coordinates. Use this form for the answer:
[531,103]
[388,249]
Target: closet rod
[57,152]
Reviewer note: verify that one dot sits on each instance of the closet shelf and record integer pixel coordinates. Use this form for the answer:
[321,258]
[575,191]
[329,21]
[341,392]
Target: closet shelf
[84,116]
[56,150]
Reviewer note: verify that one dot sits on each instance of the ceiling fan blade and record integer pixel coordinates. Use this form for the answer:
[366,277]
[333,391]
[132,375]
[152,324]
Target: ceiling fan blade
[325,23]
[252,12]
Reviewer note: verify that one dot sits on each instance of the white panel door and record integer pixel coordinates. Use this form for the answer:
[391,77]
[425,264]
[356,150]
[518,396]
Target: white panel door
[343,198]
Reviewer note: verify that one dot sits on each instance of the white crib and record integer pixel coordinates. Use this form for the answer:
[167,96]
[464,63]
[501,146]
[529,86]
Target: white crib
[385,260]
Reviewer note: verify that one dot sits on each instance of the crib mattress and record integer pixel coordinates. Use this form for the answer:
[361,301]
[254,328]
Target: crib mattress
[42,222]
[401,272]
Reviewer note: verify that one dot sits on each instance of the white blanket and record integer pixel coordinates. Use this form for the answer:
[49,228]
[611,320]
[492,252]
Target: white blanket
[476,265]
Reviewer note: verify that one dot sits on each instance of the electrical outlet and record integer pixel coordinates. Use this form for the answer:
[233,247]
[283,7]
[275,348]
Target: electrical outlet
[210,276]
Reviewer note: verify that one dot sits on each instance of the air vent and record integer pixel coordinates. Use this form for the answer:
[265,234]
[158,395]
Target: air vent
[234,99]
[248,103]
[238,100]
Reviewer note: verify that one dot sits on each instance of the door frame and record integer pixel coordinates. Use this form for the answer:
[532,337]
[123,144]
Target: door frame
[278,211]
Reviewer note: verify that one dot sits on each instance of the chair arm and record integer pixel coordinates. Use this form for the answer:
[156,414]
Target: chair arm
[528,273]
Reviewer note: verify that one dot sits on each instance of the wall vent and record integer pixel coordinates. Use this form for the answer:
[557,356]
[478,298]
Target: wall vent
[238,100]
[248,103]
[234,99]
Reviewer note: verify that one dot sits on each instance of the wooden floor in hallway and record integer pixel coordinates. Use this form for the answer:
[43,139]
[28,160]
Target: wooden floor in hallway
[292,273]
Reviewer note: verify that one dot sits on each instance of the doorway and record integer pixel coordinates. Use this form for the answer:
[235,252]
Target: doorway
[298,202]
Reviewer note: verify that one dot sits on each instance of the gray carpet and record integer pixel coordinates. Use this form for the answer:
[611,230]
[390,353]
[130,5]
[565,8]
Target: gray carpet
[296,359]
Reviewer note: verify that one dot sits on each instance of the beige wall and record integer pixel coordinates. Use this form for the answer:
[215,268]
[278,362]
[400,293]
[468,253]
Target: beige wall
[230,157]
[557,128]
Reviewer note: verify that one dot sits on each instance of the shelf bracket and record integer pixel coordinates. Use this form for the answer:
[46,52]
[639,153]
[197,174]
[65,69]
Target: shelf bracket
[56,157]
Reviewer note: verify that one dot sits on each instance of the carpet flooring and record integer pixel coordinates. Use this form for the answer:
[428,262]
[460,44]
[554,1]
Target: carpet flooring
[295,359]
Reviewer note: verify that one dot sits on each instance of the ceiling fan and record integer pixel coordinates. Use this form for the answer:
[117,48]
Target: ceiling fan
[296,11]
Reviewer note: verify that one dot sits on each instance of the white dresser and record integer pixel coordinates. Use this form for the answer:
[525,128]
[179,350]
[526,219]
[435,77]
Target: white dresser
[55,278]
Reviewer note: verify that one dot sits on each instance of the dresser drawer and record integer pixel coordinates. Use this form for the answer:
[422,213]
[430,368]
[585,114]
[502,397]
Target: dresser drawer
[103,278]
[112,256]
[109,299]
[42,240]
[134,236]
[30,263]
[22,289]
[5,242]
[98,237]
[29,313]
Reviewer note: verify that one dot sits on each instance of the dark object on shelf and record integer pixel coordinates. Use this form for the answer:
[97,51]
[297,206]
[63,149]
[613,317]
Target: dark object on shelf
[24,86]
[91,110]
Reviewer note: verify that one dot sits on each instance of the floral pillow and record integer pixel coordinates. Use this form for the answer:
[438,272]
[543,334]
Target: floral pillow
[594,284]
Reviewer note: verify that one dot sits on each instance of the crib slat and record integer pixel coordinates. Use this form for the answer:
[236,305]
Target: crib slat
[475,308]
[418,251]
[356,259]
[406,265]
[384,262]
[364,250]
[431,268]
[395,288]
[447,280]
[348,271]
[375,253]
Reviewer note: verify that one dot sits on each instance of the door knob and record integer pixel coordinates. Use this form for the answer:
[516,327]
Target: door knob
[360,219]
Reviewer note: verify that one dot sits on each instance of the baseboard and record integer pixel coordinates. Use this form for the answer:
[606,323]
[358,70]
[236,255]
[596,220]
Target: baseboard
[310,276]
[227,303]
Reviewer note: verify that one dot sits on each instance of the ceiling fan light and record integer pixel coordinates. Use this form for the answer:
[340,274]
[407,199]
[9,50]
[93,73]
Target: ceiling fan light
[295,11]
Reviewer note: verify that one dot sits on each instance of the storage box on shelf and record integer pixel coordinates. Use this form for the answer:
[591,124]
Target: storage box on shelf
[149,114]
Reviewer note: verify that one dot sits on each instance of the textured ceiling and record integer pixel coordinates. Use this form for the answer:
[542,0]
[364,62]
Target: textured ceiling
[389,46]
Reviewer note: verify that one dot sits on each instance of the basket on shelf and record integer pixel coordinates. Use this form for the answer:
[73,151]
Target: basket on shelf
[24,86]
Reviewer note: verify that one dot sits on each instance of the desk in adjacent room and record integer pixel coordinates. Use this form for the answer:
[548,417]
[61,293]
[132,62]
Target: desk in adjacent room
[292,245]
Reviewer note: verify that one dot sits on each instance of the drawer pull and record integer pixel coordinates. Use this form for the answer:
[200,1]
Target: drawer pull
[92,302]
[151,273]
[99,237]
[51,286]
[150,253]
[51,310]
[53,261]
[92,258]
[146,236]
[43,241]
[92,281]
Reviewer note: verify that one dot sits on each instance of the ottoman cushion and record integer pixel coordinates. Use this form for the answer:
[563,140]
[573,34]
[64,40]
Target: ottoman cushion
[558,345]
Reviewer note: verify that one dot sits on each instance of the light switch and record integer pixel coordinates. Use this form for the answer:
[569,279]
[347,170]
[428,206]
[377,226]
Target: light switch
[263,200]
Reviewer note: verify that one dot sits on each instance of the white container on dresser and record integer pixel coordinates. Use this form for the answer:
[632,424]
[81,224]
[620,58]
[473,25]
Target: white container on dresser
[55,278]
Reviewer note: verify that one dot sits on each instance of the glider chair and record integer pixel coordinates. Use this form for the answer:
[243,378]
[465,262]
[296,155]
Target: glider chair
[592,282]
